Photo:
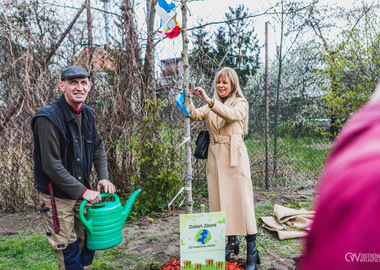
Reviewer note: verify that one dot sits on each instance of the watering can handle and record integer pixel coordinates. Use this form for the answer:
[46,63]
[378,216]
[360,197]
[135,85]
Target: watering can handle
[114,195]
[86,223]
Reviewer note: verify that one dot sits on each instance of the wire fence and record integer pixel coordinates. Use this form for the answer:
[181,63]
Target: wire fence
[301,126]
[298,135]
[299,140]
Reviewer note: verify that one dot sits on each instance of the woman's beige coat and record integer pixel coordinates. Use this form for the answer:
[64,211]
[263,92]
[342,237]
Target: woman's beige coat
[228,169]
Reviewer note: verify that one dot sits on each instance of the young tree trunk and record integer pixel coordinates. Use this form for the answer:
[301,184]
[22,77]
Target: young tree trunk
[186,75]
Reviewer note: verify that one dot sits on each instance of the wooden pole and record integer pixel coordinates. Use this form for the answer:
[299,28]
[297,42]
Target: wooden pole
[266,111]
[186,76]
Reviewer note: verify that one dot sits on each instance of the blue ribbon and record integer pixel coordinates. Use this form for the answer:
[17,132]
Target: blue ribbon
[179,99]
[165,5]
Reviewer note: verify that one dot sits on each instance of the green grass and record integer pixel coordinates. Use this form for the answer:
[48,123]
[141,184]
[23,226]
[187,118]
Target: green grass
[23,251]
[272,249]
[159,254]
[264,210]
[29,250]
[153,238]
[32,252]
[114,258]
[299,160]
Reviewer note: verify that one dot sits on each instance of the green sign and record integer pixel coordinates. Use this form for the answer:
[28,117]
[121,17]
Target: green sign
[203,241]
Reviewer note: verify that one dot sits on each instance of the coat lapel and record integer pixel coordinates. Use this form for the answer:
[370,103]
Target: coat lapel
[216,121]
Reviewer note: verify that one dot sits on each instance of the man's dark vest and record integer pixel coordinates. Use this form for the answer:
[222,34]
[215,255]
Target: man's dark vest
[62,118]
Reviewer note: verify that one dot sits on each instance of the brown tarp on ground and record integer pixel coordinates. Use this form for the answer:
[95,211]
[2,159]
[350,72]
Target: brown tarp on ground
[288,222]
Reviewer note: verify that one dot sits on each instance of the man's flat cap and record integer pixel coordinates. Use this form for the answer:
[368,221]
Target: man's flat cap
[74,72]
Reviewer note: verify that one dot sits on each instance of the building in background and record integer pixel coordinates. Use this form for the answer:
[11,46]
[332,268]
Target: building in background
[171,70]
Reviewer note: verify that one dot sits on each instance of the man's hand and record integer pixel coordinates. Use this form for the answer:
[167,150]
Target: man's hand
[107,186]
[92,196]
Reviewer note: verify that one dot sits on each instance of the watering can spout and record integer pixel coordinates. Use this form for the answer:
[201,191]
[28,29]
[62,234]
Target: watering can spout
[129,203]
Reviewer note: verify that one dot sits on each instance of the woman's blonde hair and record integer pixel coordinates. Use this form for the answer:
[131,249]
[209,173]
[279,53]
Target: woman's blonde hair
[236,92]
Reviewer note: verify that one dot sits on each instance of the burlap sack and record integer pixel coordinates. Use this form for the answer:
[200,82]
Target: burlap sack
[288,222]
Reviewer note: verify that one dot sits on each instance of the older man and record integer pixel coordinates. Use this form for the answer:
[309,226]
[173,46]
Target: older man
[66,144]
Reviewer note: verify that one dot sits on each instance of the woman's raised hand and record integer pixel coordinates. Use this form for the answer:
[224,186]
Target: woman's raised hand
[200,92]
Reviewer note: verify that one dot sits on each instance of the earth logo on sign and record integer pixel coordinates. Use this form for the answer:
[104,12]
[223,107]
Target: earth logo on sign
[203,236]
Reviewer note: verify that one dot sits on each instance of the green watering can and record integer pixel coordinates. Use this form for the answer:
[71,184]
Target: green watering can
[105,221]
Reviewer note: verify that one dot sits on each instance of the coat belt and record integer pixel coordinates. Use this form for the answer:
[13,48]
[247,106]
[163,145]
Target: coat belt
[233,140]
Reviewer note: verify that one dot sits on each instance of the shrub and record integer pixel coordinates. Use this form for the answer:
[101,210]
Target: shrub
[159,174]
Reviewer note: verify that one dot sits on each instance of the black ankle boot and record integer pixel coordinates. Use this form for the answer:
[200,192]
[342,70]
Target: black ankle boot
[252,253]
[232,245]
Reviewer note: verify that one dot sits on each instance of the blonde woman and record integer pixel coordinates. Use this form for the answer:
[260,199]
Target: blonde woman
[228,168]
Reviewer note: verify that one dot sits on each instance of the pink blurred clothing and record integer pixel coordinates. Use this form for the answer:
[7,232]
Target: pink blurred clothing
[346,229]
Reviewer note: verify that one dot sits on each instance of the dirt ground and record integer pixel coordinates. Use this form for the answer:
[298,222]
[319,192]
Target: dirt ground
[157,240]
